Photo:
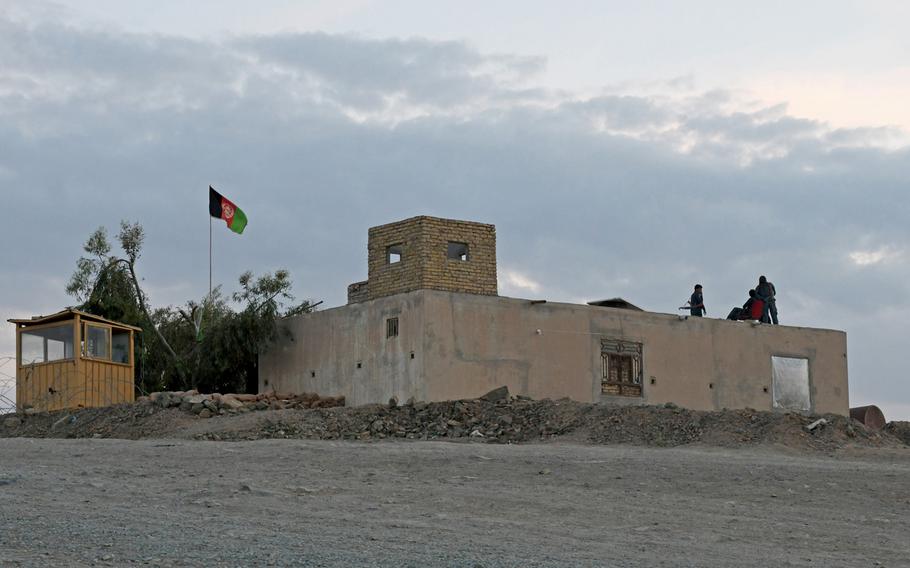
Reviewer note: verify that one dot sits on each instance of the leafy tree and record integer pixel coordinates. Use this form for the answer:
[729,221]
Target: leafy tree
[208,345]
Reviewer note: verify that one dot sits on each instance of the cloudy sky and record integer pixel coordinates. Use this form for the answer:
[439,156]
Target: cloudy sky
[621,149]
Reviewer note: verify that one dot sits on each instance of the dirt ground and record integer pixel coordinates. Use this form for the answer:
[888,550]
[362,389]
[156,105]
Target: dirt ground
[501,482]
[179,502]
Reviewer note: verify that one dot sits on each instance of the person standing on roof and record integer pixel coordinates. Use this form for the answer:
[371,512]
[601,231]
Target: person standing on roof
[697,303]
[766,292]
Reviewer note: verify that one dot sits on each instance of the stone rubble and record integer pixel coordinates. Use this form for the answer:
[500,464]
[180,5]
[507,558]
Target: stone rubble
[208,405]
[496,417]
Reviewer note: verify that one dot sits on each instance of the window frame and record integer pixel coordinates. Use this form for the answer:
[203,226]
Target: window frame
[31,328]
[129,346]
[467,251]
[85,354]
[775,387]
[621,349]
[389,252]
[392,324]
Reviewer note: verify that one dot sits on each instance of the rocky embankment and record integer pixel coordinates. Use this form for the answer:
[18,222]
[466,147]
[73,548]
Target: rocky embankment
[208,405]
[495,418]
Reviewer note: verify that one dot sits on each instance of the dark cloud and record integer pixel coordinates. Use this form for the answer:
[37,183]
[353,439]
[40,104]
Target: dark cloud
[318,137]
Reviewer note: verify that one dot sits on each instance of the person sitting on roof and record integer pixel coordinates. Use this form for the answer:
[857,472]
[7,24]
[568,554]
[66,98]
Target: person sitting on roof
[746,312]
[754,306]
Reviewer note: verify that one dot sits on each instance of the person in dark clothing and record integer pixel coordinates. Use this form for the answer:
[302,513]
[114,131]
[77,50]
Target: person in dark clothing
[697,303]
[766,293]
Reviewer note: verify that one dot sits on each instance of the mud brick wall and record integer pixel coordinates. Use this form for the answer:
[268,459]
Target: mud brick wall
[358,292]
[424,257]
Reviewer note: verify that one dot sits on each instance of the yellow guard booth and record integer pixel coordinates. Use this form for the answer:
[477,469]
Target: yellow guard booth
[73,359]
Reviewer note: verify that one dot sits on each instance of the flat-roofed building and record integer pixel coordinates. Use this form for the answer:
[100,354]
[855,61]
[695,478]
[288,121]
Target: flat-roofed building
[429,324]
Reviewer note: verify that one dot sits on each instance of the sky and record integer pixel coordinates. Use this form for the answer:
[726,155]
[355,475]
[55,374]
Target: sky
[621,149]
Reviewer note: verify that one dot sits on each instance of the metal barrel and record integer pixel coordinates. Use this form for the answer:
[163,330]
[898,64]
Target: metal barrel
[871,416]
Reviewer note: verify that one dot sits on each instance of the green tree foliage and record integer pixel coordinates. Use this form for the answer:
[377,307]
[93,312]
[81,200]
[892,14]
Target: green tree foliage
[103,285]
[212,345]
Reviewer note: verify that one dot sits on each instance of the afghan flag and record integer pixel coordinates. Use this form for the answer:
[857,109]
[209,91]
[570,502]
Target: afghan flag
[221,207]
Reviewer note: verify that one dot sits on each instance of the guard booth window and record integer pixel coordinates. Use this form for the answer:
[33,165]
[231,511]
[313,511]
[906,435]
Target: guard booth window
[97,342]
[47,344]
[621,372]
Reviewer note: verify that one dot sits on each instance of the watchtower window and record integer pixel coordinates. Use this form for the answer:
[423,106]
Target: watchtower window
[47,344]
[622,372]
[97,342]
[391,327]
[457,251]
[393,254]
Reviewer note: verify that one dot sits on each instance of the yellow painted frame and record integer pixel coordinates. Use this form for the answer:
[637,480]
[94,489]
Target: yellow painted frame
[21,330]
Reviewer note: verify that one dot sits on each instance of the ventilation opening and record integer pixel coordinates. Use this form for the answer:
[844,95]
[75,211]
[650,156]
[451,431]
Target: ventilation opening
[391,327]
[313,374]
[393,254]
[359,365]
[457,251]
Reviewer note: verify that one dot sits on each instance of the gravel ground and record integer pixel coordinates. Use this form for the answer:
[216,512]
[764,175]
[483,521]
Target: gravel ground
[179,502]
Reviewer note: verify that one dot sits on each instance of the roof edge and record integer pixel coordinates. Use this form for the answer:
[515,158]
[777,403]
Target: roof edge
[36,320]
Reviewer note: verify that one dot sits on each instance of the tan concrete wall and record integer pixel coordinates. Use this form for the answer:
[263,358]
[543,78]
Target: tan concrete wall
[475,344]
[467,344]
[332,342]
[424,263]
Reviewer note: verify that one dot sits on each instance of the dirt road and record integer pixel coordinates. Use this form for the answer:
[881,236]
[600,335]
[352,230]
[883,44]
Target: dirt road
[318,503]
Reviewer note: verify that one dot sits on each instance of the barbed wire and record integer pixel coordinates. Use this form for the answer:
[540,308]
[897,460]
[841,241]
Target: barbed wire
[7,387]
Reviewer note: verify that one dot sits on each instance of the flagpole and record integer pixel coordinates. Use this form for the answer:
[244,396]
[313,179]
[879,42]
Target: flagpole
[210,259]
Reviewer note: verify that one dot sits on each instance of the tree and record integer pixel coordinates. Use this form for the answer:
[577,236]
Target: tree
[108,284]
[212,345]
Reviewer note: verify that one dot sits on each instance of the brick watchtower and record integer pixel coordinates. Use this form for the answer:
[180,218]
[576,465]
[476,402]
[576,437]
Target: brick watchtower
[428,253]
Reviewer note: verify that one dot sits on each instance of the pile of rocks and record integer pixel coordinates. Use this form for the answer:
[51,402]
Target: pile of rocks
[901,429]
[208,405]
[495,417]
[500,418]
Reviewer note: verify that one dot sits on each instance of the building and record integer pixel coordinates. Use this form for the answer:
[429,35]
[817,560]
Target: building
[428,324]
[73,359]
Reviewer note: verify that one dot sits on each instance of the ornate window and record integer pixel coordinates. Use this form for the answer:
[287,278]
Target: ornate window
[621,362]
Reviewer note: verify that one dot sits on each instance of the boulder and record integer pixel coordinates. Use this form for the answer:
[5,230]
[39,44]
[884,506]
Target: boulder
[497,394]
[162,399]
[230,402]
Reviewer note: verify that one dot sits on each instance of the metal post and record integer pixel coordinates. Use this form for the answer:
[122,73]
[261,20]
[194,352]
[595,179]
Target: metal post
[210,258]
